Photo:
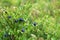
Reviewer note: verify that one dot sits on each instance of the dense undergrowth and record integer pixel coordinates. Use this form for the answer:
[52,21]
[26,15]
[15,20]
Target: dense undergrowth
[29,19]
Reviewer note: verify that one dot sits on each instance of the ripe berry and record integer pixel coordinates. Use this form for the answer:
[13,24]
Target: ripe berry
[34,23]
[21,19]
[22,30]
[9,16]
[16,21]
[6,35]
[5,11]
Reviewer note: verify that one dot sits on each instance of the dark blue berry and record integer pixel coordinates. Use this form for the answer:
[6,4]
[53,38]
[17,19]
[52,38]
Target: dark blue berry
[34,23]
[22,30]
[6,35]
[21,19]
[16,21]
[9,16]
[5,11]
